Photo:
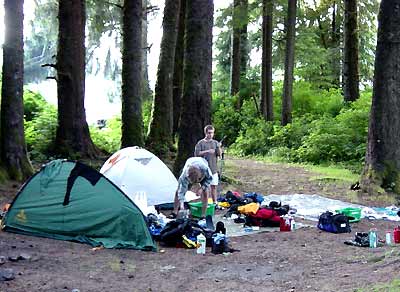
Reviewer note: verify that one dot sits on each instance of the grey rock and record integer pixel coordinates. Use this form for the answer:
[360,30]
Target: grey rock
[7,274]
[13,258]
[24,256]
[75,290]
[2,260]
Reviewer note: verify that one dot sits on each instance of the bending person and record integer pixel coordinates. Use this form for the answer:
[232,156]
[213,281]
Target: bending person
[196,170]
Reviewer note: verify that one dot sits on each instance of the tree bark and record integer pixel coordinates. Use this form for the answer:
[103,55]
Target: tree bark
[178,70]
[159,139]
[72,135]
[351,52]
[146,90]
[335,45]
[266,66]
[13,147]
[196,98]
[132,120]
[289,63]
[244,46]
[382,164]
[235,49]
[239,47]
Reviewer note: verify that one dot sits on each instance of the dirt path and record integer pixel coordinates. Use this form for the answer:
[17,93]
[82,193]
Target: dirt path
[304,260]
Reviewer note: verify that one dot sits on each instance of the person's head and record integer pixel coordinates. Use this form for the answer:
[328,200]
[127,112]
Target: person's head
[194,174]
[209,131]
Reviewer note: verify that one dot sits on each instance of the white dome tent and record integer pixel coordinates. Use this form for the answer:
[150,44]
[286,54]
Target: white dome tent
[136,171]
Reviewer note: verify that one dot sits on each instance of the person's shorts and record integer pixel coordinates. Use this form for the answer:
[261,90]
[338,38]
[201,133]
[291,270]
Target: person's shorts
[215,179]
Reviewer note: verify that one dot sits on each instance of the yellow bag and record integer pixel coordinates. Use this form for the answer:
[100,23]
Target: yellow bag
[251,208]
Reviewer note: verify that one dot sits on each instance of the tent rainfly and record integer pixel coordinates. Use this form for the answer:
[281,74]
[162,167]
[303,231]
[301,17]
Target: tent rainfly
[71,201]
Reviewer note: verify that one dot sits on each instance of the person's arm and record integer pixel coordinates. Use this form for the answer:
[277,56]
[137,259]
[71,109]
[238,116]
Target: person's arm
[183,185]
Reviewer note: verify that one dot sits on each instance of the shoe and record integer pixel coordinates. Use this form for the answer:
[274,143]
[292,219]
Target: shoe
[172,216]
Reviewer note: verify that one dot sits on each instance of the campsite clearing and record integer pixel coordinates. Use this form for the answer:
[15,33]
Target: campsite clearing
[304,260]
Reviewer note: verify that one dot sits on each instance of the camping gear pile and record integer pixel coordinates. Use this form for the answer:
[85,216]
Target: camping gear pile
[248,209]
[188,233]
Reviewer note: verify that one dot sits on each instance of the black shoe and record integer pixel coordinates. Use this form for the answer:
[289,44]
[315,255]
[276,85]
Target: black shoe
[172,216]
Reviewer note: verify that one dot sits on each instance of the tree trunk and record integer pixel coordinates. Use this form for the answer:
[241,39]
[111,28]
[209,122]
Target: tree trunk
[335,45]
[159,139]
[72,135]
[235,56]
[244,50]
[382,164]
[289,63]
[132,120]
[196,98]
[351,51]
[266,66]
[13,147]
[178,70]
[146,90]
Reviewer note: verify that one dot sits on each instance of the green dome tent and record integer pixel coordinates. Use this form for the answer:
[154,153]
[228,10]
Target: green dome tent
[71,201]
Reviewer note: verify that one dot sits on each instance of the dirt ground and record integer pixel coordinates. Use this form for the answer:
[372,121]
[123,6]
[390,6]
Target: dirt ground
[304,260]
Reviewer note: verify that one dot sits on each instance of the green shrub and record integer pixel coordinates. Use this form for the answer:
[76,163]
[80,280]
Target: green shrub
[40,132]
[291,135]
[34,104]
[226,119]
[254,139]
[108,138]
[340,138]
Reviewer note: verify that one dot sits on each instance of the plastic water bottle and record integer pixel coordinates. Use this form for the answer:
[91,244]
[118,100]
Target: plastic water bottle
[372,239]
[388,238]
[292,225]
[201,244]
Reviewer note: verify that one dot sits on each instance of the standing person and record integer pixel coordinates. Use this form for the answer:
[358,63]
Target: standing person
[210,150]
[196,170]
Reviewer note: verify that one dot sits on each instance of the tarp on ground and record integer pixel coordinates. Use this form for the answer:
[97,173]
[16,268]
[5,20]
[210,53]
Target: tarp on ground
[311,206]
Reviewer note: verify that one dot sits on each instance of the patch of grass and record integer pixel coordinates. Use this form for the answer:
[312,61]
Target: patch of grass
[328,173]
[392,286]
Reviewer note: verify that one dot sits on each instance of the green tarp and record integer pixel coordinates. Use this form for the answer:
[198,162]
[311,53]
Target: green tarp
[71,201]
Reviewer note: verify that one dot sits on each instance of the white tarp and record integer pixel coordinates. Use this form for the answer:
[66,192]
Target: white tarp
[311,206]
[137,171]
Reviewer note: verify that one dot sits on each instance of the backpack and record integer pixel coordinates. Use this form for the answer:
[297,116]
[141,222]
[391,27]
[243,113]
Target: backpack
[264,217]
[338,223]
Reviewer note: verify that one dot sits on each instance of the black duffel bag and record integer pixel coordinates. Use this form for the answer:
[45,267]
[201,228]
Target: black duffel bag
[338,223]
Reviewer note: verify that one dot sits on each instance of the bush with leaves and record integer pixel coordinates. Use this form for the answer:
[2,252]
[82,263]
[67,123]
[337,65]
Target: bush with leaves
[254,139]
[226,119]
[108,138]
[40,131]
[340,138]
[34,104]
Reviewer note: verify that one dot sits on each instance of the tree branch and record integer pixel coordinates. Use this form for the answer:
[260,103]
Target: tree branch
[49,65]
[115,4]
[152,8]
